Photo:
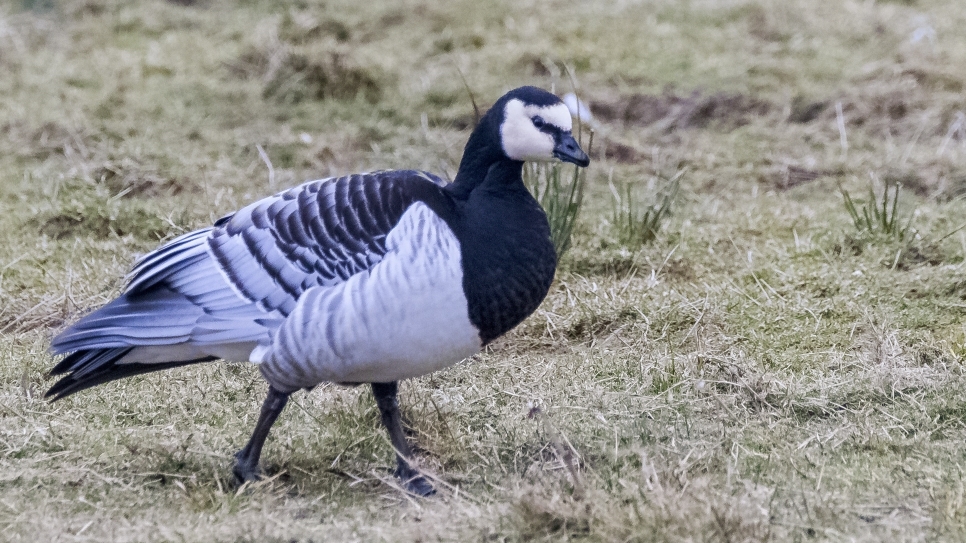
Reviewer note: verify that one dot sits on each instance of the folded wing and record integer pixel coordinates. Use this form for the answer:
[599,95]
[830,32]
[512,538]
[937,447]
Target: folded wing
[220,292]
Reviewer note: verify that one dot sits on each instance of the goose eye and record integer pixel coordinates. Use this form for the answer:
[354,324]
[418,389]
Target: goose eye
[538,122]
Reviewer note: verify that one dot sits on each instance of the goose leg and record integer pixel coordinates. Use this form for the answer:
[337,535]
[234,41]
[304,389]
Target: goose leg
[385,394]
[246,460]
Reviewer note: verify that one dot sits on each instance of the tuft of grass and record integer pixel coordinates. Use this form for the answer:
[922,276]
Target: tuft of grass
[307,61]
[878,217]
[317,74]
[560,190]
[86,215]
[636,224]
[665,378]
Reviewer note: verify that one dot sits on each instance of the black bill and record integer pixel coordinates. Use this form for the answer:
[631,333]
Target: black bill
[568,150]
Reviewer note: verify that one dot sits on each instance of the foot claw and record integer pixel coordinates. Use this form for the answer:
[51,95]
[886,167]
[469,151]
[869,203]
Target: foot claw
[244,475]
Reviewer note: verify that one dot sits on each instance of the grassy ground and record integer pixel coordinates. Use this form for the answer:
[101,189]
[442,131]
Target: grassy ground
[762,371]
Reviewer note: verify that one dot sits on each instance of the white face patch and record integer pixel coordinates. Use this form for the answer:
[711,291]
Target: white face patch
[524,141]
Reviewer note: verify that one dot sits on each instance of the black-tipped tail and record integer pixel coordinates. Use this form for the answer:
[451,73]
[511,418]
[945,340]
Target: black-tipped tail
[91,367]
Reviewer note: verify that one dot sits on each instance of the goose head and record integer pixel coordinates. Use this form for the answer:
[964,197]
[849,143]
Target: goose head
[525,124]
[535,125]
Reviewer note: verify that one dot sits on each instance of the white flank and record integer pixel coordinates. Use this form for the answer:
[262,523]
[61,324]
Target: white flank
[405,317]
[522,140]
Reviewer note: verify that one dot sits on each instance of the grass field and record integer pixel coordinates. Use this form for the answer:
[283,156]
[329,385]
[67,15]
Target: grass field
[766,369]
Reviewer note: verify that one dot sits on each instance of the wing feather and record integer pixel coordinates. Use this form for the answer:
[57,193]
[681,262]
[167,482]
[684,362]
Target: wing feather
[223,291]
[317,234]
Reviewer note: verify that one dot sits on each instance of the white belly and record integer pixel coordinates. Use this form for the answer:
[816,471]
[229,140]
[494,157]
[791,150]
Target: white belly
[404,318]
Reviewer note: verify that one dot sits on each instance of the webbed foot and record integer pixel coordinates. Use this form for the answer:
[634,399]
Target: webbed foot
[244,470]
[414,483]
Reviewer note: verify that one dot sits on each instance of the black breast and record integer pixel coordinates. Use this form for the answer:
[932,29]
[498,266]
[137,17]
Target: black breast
[508,258]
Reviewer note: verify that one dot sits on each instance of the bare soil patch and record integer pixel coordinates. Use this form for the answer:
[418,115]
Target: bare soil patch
[670,111]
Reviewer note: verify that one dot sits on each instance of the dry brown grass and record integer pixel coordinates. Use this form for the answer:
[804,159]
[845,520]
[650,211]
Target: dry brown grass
[761,371]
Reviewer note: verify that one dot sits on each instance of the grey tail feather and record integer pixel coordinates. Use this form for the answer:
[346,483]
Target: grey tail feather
[91,367]
[163,316]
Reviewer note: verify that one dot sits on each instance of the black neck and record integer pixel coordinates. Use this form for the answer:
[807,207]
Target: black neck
[502,176]
[484,161]
[508,258]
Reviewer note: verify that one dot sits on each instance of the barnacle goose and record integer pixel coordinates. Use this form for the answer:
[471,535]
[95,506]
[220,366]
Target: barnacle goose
[367,278]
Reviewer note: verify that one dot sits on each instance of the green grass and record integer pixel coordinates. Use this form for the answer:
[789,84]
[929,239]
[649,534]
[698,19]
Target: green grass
[760,370]
[560,190]
[633,226]
[879,216]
